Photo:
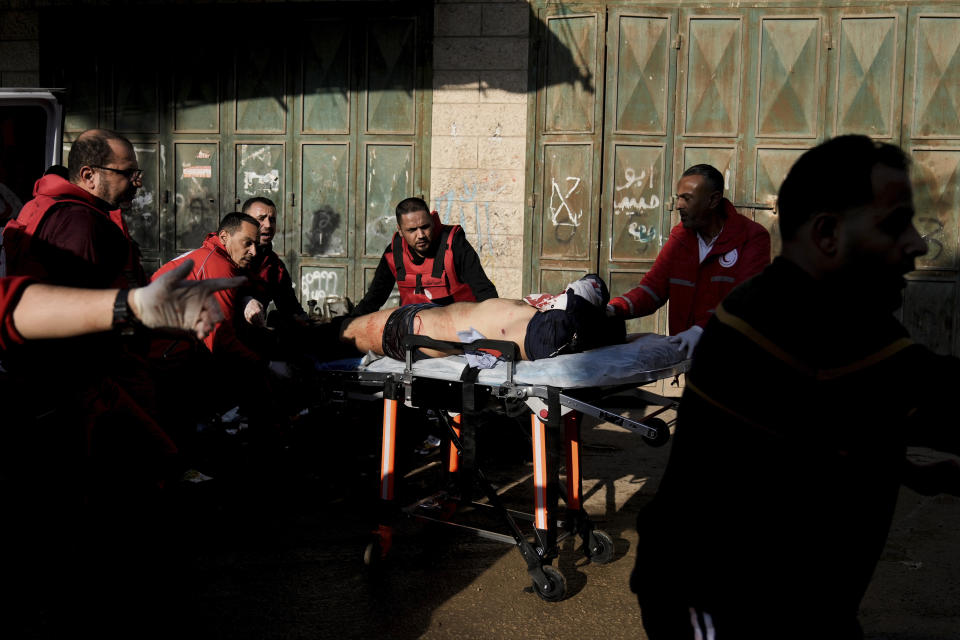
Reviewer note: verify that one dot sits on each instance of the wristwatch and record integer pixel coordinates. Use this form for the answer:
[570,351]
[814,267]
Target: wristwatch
[123,319]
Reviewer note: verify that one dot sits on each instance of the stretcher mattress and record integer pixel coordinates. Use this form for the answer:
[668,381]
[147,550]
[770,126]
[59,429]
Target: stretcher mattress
[644,358]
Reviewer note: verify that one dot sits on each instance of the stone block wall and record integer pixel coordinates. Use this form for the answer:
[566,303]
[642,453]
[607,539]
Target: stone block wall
[479,130]
[19,48]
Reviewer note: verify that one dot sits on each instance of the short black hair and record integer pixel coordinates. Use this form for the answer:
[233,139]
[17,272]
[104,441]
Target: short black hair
[833,177]
[232,221]
[411,205]
[91,149]
[257,200]
[713,176]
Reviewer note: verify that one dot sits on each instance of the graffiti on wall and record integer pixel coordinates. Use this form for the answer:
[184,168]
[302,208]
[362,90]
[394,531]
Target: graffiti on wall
[561,215]
[322,238]
[466,199]
[634,197]
[317,284]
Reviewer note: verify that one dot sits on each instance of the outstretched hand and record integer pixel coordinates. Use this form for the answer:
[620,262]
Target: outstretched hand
[253,312]
[170,302]
[686,340]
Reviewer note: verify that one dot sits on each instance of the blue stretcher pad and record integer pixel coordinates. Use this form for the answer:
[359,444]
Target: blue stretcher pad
[644,358]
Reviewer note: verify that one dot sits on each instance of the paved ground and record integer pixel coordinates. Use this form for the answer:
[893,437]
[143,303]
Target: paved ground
[272,549]
[289,567]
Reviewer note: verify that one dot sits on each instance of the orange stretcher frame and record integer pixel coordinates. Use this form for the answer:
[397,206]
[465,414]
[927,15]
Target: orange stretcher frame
[555,435]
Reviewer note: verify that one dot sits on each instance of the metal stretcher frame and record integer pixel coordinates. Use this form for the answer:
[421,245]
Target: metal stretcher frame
[555,430]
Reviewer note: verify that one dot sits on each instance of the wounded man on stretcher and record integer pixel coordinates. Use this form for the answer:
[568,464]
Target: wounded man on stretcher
[542,326]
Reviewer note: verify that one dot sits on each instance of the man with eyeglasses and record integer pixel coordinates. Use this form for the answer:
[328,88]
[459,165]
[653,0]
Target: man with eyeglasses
[98,387]
[73,233]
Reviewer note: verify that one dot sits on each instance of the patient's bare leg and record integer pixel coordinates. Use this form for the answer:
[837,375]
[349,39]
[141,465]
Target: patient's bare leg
[366,332]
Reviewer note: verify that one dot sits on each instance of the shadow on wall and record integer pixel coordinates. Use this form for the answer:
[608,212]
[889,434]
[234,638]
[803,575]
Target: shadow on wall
[301,49]
[198,83]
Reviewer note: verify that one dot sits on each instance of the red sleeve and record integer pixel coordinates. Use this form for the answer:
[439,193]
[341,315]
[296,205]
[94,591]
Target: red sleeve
[756,253]
[223,339]
[10,291]
[653,290]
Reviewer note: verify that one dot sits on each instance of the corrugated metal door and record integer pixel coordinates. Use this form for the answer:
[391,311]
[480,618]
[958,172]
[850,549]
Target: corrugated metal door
[637,181]
[931,133]
[326,116]
[746,89]
[565,240]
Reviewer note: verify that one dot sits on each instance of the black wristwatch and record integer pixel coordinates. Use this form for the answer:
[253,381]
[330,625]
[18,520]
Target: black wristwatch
[123,319]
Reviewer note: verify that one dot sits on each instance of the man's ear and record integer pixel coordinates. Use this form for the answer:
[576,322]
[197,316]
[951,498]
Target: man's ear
[715,199]
[223,235]
[824,231]
[87,176]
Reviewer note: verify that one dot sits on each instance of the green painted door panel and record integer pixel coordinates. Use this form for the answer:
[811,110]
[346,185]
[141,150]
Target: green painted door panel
[196,192]
[325,198]
[790,77]
[325,59]
[936,179]
[712,73]
[567,172]
[143,218]
[389,179]
[936,75]
[571,59]
[259,72]
[641,69]
[567,157]
[931,134]
[637,202]
[869,80]
[390,76]
[316,283]
[637,155]
[260,171]
[196,99]
[136,100]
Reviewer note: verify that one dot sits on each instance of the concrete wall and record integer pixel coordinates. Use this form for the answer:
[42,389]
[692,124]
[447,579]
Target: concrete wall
[19,48]
[479,133]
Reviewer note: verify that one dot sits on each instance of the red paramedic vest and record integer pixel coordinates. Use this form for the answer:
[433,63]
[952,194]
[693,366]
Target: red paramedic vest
[18,233]
[435,280]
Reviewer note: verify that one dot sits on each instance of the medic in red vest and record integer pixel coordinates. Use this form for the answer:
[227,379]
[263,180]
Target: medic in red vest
[428,261]
[72,231]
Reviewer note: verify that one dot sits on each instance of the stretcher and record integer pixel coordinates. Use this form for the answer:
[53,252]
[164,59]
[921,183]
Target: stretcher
[458,393]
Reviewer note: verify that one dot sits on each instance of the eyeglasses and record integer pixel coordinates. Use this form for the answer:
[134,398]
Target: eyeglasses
[134,175]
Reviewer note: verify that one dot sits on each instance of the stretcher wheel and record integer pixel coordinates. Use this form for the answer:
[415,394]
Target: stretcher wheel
[555,588]
[663,432]
[600,548]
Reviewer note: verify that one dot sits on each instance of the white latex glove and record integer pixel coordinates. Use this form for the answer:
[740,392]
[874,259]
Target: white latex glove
[253,312]
[611,311]
[686,340]
[280,369]
[170,302]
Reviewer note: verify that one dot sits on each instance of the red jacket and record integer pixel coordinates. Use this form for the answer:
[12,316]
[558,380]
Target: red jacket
[694,288]
[80,242]
[212,261]
[10,291]
[433,279]
[270,280]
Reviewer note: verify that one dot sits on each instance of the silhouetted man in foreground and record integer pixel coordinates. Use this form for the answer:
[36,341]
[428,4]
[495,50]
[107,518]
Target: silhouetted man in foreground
[791,435]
